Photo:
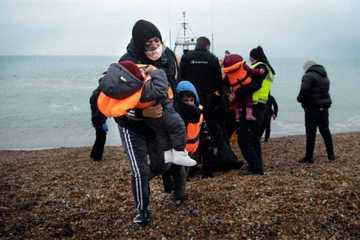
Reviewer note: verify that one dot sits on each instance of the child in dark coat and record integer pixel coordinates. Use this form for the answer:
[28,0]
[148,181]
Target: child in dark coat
[169,128]
[187,105]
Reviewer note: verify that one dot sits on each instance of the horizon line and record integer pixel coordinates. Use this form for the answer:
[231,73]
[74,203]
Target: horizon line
[96,55]
[57,55]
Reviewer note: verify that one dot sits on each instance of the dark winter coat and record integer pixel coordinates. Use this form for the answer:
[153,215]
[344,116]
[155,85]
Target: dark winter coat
[272,106]
[202,69]
[314,92]
[119,83]
[167,63]
[97,118]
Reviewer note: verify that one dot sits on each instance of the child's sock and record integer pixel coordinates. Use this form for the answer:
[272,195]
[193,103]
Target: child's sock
[249,114]
[237,114]
[169,156]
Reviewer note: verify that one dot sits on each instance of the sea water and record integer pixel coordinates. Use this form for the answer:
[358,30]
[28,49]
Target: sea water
[44,100]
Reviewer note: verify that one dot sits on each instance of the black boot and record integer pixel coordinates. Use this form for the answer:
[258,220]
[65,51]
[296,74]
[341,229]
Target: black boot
[143,217]
[255,171]
[331,157]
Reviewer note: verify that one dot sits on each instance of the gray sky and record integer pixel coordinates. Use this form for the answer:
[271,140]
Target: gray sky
[289,28]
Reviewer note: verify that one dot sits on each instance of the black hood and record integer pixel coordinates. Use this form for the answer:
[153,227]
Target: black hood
[143,31]
[317,69]
[131,49]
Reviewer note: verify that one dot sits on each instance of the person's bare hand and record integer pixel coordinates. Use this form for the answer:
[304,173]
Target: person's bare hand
[149,69]
[153,111]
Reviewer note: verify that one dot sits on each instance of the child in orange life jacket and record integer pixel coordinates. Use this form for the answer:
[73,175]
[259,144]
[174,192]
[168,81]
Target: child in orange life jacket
[187,105]
[170,128]
[238,75]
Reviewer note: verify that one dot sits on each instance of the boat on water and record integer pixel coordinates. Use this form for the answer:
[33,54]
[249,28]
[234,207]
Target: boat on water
[185,41]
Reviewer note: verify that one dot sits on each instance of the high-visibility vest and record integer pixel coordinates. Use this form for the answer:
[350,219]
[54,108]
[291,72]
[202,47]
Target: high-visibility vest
[193,135]
[237,75]
[262,95]
[112,107]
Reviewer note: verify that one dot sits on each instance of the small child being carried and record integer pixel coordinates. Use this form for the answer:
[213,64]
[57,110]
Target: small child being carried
[239,77]
[126,86]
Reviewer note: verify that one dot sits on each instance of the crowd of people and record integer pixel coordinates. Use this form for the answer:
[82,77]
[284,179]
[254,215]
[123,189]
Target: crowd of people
[175,119]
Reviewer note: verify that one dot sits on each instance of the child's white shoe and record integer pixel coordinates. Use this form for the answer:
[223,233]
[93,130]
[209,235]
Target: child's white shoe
[182,158]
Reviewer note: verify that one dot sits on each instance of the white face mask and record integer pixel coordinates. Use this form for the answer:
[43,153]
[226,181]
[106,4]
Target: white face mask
[154,54]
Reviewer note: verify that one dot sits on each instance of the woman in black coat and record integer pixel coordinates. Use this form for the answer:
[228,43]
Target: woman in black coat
[315,99]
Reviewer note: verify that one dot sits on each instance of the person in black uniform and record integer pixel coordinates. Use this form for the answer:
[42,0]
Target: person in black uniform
[202,69]
[99,123]
[271,112]
[315,99]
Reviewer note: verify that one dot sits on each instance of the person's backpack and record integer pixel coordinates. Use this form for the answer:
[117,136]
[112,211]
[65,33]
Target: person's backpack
[214,159]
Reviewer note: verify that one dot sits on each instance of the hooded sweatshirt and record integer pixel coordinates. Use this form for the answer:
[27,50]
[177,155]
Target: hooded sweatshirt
[190,114]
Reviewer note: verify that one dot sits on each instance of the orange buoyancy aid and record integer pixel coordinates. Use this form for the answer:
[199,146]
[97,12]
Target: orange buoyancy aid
[112,107]
[193,135]
[143,105]
[237,75]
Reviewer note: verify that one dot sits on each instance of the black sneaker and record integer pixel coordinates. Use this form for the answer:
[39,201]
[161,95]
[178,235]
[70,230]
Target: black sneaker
[254,173]
[143,217]
[331,157]
[306,160]
[179,202]
[237,164]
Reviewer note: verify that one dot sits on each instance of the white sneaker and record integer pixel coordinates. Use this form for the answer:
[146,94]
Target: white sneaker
[182,158]
[169,156]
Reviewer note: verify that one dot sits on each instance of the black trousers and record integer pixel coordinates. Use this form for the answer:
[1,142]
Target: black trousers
[146,160]
[98,147]
[249,134]
[266,127]
[174,180]
[317,118]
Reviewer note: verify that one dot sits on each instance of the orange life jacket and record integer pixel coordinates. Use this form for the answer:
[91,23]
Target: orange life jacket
[193,135]
[112,107]
[237,75]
